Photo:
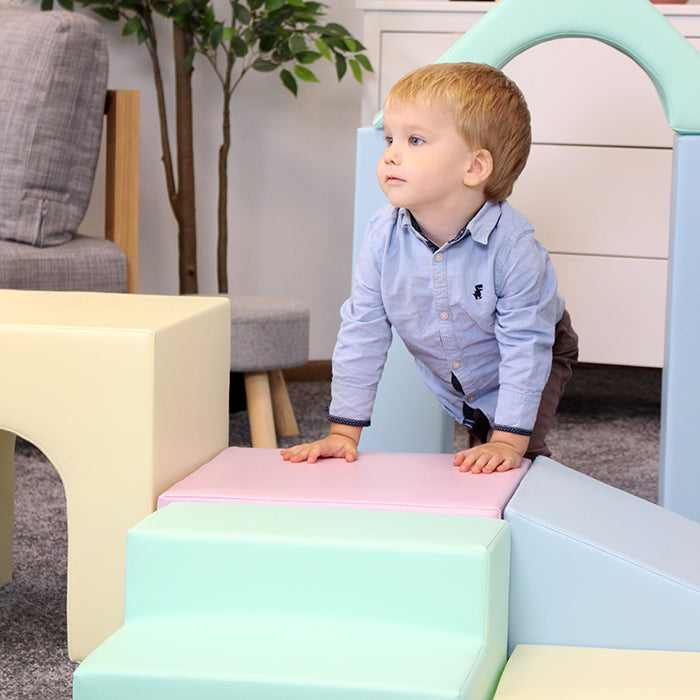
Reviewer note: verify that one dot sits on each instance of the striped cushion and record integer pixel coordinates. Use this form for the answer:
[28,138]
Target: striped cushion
[53,81]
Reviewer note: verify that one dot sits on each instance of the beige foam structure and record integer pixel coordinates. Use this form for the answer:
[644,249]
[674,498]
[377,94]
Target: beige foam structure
[125,395]
[541,672]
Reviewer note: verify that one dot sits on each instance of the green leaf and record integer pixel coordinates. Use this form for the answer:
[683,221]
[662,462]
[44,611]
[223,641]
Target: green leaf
[308,57]
[350,44]
[272,5]
[228,33]
[334,43]
[131,26]
[189,59]
[216,34]
[336,28]
[107,13]
[356,70]
[323,48]
[181,9]
[239,47]
[305,74]
[208,20]
[364,62]
[340,65]
[297,44]
[267,42]
[264,66]
[242,13]
[46,5]
[289,82]
[255,4]
[284,52]
[66,4]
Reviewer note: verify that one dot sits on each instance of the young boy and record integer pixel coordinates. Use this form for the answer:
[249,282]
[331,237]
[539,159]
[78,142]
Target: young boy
[457,272]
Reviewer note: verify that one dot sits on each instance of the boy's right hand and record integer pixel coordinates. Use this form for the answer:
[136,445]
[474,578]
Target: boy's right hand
[334,445]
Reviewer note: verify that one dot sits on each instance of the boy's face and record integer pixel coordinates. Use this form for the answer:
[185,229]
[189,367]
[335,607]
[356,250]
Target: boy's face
[427,163]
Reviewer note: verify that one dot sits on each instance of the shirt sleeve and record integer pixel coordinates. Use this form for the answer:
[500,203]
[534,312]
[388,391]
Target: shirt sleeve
[525,320]
[364,337]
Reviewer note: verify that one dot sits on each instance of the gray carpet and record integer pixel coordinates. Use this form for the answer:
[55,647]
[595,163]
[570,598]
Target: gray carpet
[607,426]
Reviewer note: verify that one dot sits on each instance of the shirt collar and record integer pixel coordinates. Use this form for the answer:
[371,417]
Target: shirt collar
[479,227]
[484,222]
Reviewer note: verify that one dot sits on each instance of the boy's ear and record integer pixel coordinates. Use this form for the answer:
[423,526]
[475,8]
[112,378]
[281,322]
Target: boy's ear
[479,168]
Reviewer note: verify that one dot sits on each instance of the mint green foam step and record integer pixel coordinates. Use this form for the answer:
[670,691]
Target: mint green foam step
[260,601]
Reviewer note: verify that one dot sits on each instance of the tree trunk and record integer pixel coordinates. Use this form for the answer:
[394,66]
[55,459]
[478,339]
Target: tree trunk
[185,200]
[222,213]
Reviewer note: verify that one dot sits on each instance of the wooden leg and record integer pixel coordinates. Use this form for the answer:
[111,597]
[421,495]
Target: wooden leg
[285,422]
[262,422]
[7,497]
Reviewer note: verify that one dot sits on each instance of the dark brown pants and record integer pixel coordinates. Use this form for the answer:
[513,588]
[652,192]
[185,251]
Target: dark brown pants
[564,357]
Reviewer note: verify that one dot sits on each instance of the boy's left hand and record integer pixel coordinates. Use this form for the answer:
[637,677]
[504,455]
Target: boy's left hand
[505,451]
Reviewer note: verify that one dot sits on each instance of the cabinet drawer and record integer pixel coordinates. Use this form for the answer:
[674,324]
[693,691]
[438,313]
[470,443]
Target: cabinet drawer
[596,200]
[617,307]
[585,92]
[579,90]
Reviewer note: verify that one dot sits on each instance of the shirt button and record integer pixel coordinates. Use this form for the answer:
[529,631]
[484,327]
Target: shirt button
[438,257]
[444,315]
[471,398]
[456,365]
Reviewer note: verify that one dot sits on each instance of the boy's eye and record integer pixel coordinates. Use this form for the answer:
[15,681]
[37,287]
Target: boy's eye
[389,140]
[415,141]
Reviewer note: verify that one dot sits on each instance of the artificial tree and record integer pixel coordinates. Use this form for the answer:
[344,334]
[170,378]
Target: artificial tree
[261,35]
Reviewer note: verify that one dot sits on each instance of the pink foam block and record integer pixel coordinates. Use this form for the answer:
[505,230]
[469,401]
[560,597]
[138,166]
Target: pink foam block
[377,480]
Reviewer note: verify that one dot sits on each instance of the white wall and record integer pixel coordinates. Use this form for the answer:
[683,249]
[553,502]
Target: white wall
[291,181]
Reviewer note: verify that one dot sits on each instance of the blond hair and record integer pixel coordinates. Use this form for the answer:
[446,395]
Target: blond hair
[489,110]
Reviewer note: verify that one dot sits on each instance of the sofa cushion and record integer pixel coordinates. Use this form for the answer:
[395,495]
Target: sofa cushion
[53,82]
[83,264]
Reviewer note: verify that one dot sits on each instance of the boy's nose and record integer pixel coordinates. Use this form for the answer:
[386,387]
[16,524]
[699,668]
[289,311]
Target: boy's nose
[391,155]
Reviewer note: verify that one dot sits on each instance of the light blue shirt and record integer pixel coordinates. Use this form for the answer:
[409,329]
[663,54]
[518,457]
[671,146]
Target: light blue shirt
[482,307]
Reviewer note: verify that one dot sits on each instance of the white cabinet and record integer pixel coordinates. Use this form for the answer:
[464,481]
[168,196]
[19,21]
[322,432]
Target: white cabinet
[598,184]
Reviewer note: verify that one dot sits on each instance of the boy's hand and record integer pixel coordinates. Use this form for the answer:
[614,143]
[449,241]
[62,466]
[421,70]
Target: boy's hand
[337,444]
[504,452]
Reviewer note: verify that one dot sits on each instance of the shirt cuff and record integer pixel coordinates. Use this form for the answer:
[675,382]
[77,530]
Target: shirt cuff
[354,422]
[516,412]
[351,405]
[510,429]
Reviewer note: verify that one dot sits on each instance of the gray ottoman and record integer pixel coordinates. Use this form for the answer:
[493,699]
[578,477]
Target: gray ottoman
[268,334]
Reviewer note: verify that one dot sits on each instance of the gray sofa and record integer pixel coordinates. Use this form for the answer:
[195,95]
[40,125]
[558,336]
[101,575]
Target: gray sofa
[53,95]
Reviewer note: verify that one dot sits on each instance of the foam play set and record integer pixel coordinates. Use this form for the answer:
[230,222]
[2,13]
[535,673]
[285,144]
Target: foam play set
[243,576]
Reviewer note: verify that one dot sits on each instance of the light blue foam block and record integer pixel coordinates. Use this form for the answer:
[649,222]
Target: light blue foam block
[254,602]
[679,485]
[595,566]
[406,416]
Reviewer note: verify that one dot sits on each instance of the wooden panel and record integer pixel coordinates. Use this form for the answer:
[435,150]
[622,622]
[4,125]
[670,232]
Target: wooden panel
[593,200]
[122,177]
[617,306]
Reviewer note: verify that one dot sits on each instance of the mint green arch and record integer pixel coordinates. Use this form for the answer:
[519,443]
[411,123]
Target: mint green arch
[634,27]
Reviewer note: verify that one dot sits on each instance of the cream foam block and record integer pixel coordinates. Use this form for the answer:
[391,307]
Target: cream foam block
[536,672]
[125,394]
